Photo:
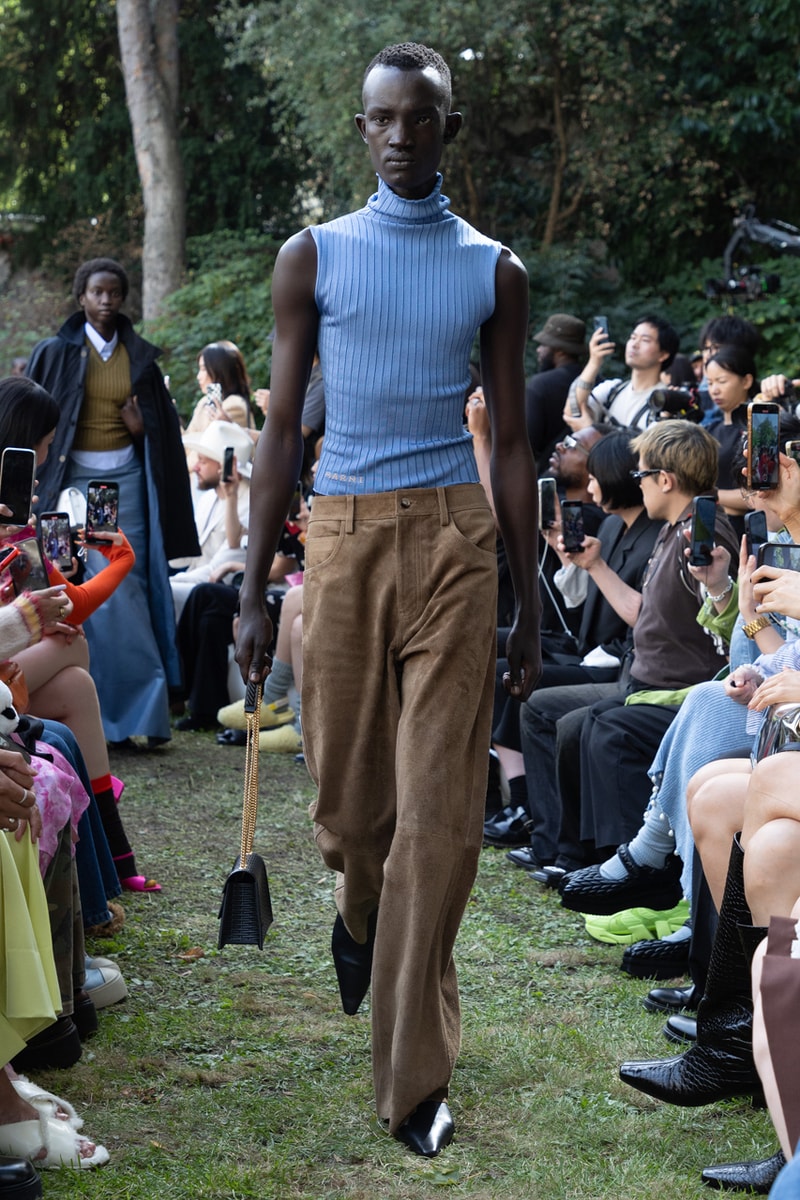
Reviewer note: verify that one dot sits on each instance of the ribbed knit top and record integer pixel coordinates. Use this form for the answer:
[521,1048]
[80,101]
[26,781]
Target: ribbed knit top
[402,288]
[107,386]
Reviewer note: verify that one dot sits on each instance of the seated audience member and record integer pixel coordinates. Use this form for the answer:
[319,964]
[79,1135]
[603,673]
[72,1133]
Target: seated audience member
[625,540]
[280,723]
[710,724]
[650,349]
[677,460]
[33,1123]
[205,629]
[756,879]
[221,506]
[561,353]
[221,364]
[603,800]
[52,652]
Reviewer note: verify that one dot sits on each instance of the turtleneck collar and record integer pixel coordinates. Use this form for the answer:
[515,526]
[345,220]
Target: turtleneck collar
[386,203]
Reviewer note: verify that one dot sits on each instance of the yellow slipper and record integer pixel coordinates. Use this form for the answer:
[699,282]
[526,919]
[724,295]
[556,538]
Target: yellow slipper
[280,741]
[272,715]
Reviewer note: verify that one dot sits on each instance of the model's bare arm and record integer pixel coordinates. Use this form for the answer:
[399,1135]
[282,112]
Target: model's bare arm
[279,452]
[513,472]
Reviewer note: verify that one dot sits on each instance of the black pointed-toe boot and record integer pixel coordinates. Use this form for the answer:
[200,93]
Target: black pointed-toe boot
[719,1065]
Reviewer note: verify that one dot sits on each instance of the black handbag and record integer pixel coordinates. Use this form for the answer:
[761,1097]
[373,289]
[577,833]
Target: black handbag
[245,914]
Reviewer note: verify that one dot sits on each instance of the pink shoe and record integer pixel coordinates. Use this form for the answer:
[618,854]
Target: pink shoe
[117,788]
[140,883]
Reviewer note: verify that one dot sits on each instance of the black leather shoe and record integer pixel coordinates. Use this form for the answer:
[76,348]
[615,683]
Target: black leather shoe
[84,1015]
[659,959]
[232,737]
[587,891]
[429,1128]
[523,857]
[18,1179]
[353,962]
[672,1000]
[746,1176]
[55,1048]
[549,876]
[511,827]
[680,1029]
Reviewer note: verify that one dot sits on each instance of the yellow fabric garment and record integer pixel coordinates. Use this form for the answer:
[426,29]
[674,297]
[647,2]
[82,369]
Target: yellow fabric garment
[29,994]
[106,388]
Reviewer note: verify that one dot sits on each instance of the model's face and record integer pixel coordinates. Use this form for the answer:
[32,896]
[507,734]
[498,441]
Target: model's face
[101,302]
[405,126]
[642,351]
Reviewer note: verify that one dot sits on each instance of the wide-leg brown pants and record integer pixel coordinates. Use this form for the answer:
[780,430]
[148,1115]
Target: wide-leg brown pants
[399,634]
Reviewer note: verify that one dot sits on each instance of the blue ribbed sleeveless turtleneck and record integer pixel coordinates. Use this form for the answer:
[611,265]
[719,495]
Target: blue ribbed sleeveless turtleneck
[402,288]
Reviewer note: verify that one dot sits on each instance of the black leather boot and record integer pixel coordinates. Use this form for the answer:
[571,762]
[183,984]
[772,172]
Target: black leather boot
[746,1176]
[720,1064]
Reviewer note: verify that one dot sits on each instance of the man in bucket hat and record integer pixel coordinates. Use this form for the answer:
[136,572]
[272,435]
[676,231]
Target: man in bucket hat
[561,353]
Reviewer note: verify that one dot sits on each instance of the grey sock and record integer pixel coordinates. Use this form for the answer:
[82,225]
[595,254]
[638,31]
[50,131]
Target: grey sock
[651,847]
[278,682]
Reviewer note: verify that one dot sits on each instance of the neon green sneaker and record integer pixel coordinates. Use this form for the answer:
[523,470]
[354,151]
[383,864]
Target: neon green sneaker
[636,924]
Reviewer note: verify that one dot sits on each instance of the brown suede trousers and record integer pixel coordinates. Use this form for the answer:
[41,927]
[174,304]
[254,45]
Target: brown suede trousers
[399,635]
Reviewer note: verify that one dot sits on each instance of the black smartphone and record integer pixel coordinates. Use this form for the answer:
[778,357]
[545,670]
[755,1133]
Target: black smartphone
[755,530]
[785,555]
[792,450]
[572,530]
[762,445]
[17,471]
[547,503]
[56,539]
[601,323]
[228,464]
[701,542]
[102,508]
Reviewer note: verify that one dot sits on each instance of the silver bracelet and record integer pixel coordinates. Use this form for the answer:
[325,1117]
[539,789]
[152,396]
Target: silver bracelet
[726,591]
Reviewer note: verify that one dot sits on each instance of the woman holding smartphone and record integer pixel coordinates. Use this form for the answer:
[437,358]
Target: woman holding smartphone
[731,375]
[118,424]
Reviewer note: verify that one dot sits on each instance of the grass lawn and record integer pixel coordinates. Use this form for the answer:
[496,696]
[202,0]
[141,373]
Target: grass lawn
[234,1074]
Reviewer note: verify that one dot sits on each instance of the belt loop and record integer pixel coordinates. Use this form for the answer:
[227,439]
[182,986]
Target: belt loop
[350,513]
[444,515]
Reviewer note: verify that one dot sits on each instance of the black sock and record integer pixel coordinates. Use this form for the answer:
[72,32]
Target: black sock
[518,792]
[113,828]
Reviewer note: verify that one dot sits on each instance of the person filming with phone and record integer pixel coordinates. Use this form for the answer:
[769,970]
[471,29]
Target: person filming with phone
[649,350]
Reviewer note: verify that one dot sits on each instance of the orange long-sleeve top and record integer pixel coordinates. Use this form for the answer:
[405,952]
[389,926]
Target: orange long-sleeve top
[86,597]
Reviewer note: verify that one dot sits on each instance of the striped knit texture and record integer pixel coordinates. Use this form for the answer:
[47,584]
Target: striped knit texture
[402,288]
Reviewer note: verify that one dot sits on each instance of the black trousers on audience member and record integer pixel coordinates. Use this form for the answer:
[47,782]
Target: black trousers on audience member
[618,744]
[205,631]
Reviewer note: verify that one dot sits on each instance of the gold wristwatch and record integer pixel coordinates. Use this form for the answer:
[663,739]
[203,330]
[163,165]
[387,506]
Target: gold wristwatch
[753,627]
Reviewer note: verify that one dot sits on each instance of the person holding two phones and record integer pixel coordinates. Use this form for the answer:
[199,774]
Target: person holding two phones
[118,424]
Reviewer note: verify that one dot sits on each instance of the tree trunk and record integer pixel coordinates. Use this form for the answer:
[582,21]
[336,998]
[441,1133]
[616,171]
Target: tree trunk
[148,42]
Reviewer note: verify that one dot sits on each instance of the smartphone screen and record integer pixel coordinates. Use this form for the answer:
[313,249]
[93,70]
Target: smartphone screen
[228,464]
[755,530]
[762,445]
[785,555]
[547,503]
[17,469]
[701,542]
[28,572]
[572,525]
[56,539]
[102,508]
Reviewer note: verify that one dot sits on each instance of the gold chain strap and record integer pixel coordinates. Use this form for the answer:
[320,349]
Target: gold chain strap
[250,779]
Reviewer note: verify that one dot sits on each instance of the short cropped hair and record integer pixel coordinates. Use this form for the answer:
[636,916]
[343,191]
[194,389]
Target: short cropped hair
[96,266]
[686,450]
[667,337]
[413,56]
[729,329]
[611,461]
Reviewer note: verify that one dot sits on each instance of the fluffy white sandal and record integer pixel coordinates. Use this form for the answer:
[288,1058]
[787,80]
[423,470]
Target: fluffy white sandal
[38,1097]
[272,715]
[62,1143]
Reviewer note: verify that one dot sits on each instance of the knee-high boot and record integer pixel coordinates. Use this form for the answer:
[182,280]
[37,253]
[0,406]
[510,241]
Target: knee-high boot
[719,1065]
